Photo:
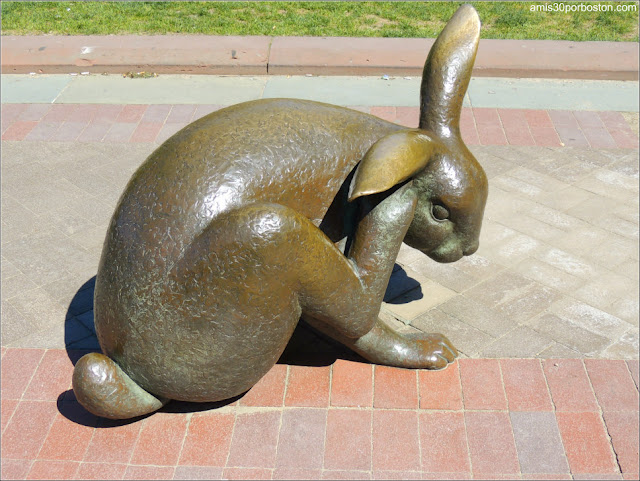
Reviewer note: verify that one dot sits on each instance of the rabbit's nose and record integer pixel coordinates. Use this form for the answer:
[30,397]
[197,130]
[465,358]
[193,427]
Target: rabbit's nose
[471,249]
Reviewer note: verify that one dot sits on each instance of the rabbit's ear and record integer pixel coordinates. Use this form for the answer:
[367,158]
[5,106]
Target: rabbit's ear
[391,160]
[447,72]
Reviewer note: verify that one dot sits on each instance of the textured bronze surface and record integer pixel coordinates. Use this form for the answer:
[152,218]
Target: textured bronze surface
[266,211]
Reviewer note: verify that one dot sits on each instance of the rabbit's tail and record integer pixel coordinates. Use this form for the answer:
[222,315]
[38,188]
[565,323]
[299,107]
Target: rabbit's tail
[447,73]
[104,389]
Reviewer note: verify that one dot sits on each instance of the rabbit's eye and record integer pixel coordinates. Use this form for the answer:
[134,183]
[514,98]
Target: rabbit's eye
[439,212]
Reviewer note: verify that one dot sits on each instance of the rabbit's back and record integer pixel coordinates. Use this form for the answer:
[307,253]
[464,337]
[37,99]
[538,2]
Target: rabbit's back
[293,153]
[290,152]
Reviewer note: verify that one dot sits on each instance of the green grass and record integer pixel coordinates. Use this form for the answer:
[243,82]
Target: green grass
[352,19]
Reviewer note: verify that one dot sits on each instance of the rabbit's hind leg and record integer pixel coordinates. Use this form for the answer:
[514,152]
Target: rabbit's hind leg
[291,256]
[105,390]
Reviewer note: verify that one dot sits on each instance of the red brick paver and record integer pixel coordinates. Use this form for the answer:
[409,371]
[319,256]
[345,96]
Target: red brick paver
[613,385]
[301,439]
[482,384]
[441,389]
[623,430]
[546,422]
[395,388]
[254,441]
[208,439]
[586,444]
[348,442]
[569,385]
[443,439]
[160,440]
[269,391]
[525,385]
[395,440]
[351,384]
[308,386]
[495,457]
[155,123]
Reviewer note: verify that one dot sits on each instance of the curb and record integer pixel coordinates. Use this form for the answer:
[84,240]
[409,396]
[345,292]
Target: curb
[218,55]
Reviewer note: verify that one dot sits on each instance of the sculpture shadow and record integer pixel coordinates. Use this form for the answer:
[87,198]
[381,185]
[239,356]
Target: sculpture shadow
[307,347]
[402,289]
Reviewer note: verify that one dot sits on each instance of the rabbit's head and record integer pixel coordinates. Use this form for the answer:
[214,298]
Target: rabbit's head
[450,185]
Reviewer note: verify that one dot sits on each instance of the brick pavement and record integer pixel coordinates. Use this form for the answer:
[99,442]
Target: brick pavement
[156,123]
[479,418]
[556,273]
[553,288]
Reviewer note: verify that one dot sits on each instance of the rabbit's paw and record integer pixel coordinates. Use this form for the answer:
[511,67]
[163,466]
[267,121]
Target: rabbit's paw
[432,351]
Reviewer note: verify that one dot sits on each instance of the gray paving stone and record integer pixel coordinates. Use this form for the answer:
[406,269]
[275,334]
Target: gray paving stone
[538,443]
[407,255]
[516,186]
[626,164]
[472,312]
[52,337]
[629,268]
[492,165]
[564,199]
[16,285]
[478,266]
[559,351]
[515,296]
[31,255]
[626,309]
[567,262]
[510,250]
[570,334]
[501,205]
[602,291]
[70,292]
[533,228]
[90,238]
[554,217]
[590,318]
[548,275]
[605,185]
[583,241]
[624,348]
[465,338]
[617,225]
[8,269]
[14,325]
[539,180]
[447,275]
[38,308]
[20,222]
[520,342]
[87,320]
[572,172]
[68,222]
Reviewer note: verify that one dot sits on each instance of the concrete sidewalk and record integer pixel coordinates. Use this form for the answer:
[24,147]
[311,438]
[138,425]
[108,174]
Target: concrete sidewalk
[483,92]
[199,54]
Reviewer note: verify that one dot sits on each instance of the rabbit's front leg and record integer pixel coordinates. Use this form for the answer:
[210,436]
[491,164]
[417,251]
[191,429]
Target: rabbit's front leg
[375,246]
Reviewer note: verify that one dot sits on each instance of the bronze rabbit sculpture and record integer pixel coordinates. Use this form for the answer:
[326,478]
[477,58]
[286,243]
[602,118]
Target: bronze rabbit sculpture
[270,210]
